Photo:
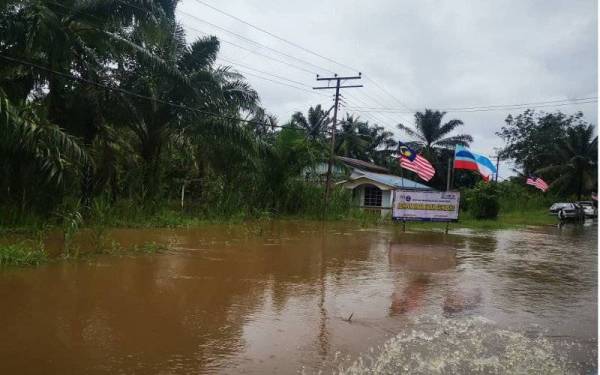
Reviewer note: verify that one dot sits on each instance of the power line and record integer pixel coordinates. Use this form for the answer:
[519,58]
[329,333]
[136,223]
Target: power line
[275,36]
[255,75]
[263,72]
[136,95]
[253,51]
[282,83]
[252,41]
[494,106]
[374,117]
[301,48]
[338,80]
[389,117]
[358,109]
[388,93]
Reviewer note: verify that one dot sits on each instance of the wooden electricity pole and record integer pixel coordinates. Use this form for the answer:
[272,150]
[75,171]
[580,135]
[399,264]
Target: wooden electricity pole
[337,87]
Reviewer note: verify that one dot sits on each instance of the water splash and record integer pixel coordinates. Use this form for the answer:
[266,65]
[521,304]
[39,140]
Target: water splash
[466,346]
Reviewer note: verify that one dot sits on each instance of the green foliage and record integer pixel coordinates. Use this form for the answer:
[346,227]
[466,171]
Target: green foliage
[433,138]
[531,137]
[483,201]
[71,220]
[75,154]
[576,167]
[21,254]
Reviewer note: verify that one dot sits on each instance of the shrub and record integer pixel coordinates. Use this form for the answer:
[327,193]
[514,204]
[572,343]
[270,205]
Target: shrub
[483,200]
[20,254]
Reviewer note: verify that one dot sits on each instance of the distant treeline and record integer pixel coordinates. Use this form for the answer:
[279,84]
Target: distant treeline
[105,104]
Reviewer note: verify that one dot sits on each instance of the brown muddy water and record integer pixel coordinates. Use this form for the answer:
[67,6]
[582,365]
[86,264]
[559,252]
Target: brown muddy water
[276,298]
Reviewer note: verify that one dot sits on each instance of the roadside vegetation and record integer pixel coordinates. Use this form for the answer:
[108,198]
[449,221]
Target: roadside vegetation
[111,117]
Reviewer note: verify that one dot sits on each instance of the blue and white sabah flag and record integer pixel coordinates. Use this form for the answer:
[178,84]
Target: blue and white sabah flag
[469,160]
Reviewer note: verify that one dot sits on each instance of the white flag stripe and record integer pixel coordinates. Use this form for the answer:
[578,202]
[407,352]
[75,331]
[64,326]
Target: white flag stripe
[420,166]
[538,183]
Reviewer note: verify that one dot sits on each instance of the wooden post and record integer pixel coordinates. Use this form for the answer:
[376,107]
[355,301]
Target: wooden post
[448,184]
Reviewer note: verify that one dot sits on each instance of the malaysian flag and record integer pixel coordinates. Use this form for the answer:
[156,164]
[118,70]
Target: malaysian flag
[538,183]
[416,163]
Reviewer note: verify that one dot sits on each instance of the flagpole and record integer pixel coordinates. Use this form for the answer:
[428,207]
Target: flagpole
[402,182]
[448,181]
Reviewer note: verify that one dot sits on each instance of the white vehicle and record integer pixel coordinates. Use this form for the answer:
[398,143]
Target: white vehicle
[588,208]
[567,211]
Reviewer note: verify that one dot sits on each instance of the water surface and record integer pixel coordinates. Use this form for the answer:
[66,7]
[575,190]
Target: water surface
[276,297]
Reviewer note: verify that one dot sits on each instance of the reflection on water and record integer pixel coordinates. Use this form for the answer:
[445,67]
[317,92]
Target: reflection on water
[277,299]
[414,258]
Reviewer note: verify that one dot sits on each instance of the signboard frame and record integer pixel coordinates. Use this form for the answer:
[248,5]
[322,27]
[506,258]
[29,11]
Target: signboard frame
[429,198]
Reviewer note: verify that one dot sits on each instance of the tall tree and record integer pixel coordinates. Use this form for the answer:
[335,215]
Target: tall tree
[207,91]
[431,134]
[531,137]
[315,123]
[576,167]
[434,139]
[73,38]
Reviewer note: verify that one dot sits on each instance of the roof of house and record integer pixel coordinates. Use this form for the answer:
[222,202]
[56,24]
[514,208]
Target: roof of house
[361,164]
[390,180]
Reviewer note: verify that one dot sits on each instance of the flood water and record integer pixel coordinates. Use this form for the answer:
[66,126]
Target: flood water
[276,297]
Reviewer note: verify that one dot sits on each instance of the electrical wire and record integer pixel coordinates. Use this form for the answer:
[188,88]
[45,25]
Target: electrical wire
[136,95]
[253,41]
[275,36]
[493,106]
[492,109]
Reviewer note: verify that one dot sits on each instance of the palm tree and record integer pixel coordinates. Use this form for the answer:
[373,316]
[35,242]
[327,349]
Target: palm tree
[433,138]
[315,123]
[35,155]
[88,40]
[577,171]
[430,134]
[205,93]
[381,145]
[352,138]
[360,140]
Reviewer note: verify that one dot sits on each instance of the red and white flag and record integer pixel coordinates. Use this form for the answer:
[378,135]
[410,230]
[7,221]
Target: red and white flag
[421,166]
[538,183]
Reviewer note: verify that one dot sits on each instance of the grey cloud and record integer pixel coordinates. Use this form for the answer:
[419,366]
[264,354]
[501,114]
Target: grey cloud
[427,53]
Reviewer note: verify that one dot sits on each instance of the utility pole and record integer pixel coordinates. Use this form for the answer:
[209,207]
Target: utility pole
[338,85]
[497,166]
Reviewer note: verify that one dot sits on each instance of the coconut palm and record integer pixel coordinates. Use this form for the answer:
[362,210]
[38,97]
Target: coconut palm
[315,123]
[431,134]
[360,140]
[352,138]
[578,153]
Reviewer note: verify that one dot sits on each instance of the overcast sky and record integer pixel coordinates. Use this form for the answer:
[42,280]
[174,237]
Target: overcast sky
[434,54]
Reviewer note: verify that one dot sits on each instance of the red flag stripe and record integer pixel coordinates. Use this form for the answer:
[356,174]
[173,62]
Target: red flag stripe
[538,183]
[420,166]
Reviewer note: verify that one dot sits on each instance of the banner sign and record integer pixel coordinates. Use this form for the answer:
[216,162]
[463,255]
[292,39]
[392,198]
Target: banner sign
[413,205]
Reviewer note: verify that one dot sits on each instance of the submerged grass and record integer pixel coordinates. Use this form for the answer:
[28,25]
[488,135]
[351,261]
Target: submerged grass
[508,220]
[127,215]
[21,254]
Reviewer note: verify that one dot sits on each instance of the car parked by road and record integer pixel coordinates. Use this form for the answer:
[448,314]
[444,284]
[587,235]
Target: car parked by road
[589,208]
[567,211]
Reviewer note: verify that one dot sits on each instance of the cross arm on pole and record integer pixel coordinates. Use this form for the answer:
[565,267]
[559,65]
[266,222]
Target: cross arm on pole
[333,87]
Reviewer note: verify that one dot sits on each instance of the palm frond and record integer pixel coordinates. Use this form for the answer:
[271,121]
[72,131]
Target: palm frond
[410,132]
[457,140]
[449,126]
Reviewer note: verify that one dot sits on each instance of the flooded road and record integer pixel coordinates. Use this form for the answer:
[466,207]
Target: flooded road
[289,297]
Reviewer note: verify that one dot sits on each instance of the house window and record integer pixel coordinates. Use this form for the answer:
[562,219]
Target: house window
[372,196]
